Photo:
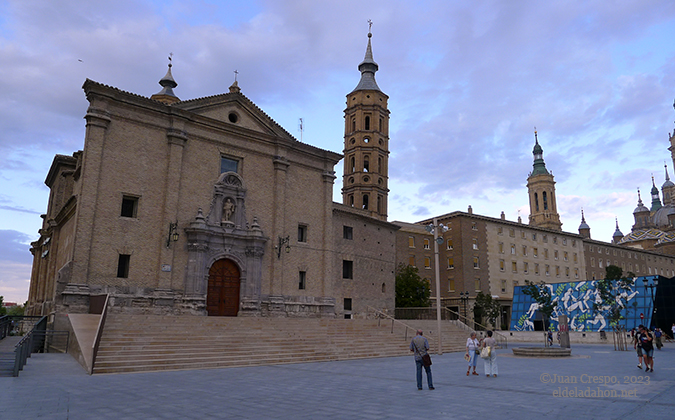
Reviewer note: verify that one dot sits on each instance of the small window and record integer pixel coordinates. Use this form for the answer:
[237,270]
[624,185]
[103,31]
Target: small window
[547,270]
[427,263]
[449,244]
[501,247]
[347,232]
[367,123]
[513,249]
[348,304]
[411,260]
[535,252]
[555,255]
[544,238]
[451,285]
[123,266]
[514,266]
[476,263]
[501,265]
[546,254]
[302,278]
[503,286]
[365,202]
[555,239]
[526,267]
[500,230]
[536,269]
[302,233]
[129,206]
[475,244]
[451,263]
[477,285]
[411,242]
[525,250]
[512,233]
[473,226]
[347,269]
[228,165]
[426,243]
[565,256]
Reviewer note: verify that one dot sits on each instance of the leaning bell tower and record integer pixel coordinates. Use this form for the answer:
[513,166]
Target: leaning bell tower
[366,151]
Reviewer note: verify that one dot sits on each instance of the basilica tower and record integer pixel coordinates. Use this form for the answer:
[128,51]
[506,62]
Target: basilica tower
[541,188]
[365,180]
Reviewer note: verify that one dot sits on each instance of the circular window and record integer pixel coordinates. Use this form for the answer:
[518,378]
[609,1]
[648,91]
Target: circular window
[367,96]
[366,179]
[366,139]
[379,181]
[381,142]
[351,180]
[352,141]
[233,117]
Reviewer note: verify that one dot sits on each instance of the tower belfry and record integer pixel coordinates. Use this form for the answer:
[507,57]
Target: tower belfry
[541,188]
[366,151]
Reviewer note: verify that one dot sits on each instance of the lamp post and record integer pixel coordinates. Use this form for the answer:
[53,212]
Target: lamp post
[464,297]
[651,288]
[434,227]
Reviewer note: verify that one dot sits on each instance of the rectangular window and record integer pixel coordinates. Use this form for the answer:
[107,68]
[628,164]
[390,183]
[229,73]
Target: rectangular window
[534,236]
[557,270]
[576,273]
[228,165]
[411,242]
[574,257]
[536,269]
[600,262]
[526,267]
[514,266]
[547,270]
[123,266]
[501,265]
[426,243]
[347,269]
[535,252]
[347,232]
[302,233]
[522,234]
[564,241]
[476,263]
[555,239]
[525,250]
[411,261]
[592,262]
[555,255]
[348,304]
[473,226]
[449,243]
[500,230]
[513,249]
[503,286]
[501,247]
[451,285]
[451,263]
[565,256]
[427,263]
[477,285]
[474,243]
[574,242]
[129,206]
[546,254]
[544,238]
[302,277]
[567,271]
[512,233]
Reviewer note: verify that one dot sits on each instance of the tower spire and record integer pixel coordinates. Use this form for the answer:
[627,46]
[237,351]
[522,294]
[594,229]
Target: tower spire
[656,201]
[584,229]
[368,67]
[167,82]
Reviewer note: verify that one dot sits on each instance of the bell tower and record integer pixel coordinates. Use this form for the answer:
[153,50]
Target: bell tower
[366,151]
[541,188]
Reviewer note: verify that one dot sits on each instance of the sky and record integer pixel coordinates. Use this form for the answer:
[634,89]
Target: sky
[468,82]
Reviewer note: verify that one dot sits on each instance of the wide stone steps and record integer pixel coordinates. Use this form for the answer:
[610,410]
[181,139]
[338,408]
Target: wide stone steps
[135,343]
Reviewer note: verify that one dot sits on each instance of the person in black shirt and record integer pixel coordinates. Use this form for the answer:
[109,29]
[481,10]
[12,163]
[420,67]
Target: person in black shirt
[645,338]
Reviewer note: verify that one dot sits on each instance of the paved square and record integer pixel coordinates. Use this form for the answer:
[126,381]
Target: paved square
[54,386]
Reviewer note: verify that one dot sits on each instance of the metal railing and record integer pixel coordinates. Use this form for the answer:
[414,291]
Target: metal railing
[502,341]
[29,344]
[5,326]
[395,323]
[99,333]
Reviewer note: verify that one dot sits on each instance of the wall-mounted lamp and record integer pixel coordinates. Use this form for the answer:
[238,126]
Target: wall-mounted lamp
[283,241]
[173,234]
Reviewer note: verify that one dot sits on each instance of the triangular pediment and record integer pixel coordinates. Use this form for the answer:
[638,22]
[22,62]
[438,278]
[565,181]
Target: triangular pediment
[236,109]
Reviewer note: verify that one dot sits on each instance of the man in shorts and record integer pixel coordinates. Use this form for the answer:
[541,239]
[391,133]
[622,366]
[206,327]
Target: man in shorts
[646,339]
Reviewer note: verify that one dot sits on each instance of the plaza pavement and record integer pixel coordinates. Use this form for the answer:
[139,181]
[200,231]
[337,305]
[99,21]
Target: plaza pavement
[54,386]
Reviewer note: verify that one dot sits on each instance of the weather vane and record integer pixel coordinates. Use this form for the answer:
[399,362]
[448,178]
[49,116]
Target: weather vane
[370,25]
[235,75]
[170,58]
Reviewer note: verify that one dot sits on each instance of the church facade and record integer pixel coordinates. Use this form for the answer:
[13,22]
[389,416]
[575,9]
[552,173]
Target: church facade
[209,207]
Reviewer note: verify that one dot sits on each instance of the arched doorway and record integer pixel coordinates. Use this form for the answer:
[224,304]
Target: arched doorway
[222,298]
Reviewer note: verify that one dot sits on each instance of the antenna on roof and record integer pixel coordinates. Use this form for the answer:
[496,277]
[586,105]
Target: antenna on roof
[301,126]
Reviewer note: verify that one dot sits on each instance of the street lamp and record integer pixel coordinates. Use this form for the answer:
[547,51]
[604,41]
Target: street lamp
[435,227]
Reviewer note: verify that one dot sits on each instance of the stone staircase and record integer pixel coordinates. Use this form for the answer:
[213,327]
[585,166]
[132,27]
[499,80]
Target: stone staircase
[135,343]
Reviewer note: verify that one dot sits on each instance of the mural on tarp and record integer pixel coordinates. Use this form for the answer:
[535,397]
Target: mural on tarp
[576,300]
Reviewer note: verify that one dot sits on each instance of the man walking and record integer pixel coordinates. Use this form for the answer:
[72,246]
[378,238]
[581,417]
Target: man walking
[419,346]
[637,346]
[645,338]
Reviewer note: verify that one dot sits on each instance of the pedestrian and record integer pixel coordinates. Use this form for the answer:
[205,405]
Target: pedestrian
[490,364]
[472,350]
[550,338]
[637,346]
[420,347]
[657,338]
[646,339]
[673,328]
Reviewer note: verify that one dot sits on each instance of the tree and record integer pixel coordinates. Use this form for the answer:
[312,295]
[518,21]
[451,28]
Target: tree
[486,308]
[3,311]
[541,294]
[612,286]
[412,291]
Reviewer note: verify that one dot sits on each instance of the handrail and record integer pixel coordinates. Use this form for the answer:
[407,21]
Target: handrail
[5,326]
[28,345]
[499,337]
[99,333]
[381,314]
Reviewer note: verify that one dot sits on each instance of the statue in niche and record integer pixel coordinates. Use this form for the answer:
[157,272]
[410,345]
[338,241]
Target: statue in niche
[228,210]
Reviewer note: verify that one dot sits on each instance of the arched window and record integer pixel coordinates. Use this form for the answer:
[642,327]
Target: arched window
[545,201]
[384,288]
[352,164]
[380,124]
[367,123]
[536,202]
[351,200]
[379,164]
[353,124]
[365,201]
[379,203]
[366,163]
